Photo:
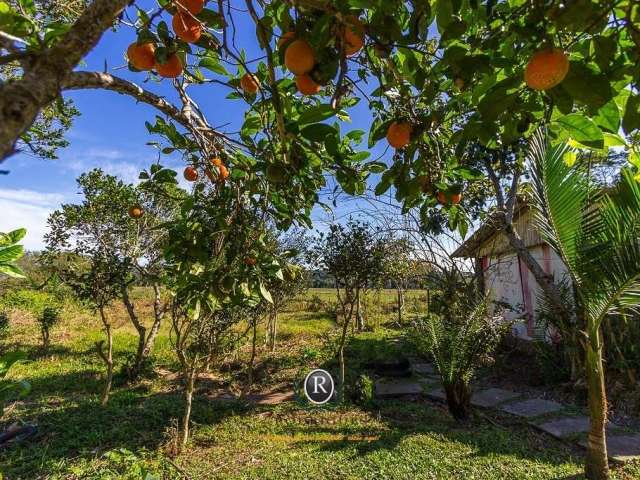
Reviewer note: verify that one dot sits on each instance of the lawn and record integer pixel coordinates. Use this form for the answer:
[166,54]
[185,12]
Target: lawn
[132,438]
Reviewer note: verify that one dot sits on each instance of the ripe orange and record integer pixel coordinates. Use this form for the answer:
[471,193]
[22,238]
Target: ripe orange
[299,57]
[399,134]
[353,36]
[306,85]
[142,56]
[286,38]
[187,28]
[190,174]
[459,82]
[136,211]
[223,173]
[216,162]
[546,69]
[193,6]
[249,83]
[250,261]
[172,68]
[444,198]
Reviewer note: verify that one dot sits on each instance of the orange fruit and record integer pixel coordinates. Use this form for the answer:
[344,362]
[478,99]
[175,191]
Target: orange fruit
[223,173]
[459,82]
[186,28]
[250,261]
[193,6]
[190,174]
[399,134]
[136,211]
[546,69]
[249,83]
[353,36]
[142,57]
[306,85]
[286,38]
[444,198]
[299,57]
[216,162]
[172,68]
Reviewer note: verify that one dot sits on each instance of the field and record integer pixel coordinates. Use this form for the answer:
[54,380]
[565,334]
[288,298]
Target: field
[132,437]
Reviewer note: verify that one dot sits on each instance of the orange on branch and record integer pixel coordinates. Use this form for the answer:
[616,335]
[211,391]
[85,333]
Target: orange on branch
[250,261]
[193,6]
[286,38]
[216,162]
[546,69]
[136,211]
[399,134]
[353,36]
[190,174]
[171,68]
[142,57]
[299,57]
[249,83]
[306,85]
[186,28]
[223,173]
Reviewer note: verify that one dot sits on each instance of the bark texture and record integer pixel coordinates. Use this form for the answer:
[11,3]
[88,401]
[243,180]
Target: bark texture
[22,99]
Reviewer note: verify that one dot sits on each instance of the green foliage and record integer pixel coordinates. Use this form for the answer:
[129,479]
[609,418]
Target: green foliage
[11,389]
[4,325]
[28,300]
[10,251]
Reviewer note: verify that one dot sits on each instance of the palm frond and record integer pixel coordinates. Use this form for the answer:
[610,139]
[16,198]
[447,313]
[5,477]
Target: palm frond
[611,251]
[560,195]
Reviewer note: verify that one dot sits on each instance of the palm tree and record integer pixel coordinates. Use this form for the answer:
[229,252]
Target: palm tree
[597,235]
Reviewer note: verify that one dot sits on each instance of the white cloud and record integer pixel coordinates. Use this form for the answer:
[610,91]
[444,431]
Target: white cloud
[28,209]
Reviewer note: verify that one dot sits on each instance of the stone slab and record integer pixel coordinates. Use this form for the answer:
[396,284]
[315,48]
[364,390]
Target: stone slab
[423,368]
[622,447]
[492,397]
[561,427]
[272,398]
[531,408]
[437,394]
[397,388]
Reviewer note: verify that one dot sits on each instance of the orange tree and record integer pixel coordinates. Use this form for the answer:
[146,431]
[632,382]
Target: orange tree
[454,86]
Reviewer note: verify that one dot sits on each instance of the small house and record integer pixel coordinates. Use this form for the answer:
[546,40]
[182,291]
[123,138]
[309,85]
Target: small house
[506,276]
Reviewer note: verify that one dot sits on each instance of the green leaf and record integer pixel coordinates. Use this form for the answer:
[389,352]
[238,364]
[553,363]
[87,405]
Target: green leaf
[631,119]
[444,14]
[609,117]
[214,65]
[582,129]
[317,132]
[11,271]
[265,293]
[586,86]
[316,114]
[11,253]
[12,237]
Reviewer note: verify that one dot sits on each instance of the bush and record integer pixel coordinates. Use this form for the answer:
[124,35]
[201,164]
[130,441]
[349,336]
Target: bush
[32,301]
[4,325]
[316,304]
[50,316]
[459,343]
[364,391]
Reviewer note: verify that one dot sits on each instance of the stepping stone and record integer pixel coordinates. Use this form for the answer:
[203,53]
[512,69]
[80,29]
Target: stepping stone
[562,427]
[271,398]
[397,388]
[492,397]
[622,447]
[437,394]
[532,408]
[423,368]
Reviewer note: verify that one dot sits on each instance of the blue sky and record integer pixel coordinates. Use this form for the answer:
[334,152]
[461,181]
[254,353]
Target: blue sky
[110,134]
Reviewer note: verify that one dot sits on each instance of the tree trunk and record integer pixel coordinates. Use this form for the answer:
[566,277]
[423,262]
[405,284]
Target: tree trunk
[458,400]
[359,316]
[107,357]
[45,339]
[597,466]
[274,330]
[249,384]
[400,304]
[188,398]
[343,338]
[21,100]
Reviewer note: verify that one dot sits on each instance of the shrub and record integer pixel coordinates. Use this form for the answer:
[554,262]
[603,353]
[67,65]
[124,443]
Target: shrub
[50,316]
[4,325]
[459,343]
[364,390]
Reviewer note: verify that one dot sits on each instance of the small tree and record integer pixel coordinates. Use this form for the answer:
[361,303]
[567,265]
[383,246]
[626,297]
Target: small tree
[49,317]
[354,257]
[399,268]
[459,341]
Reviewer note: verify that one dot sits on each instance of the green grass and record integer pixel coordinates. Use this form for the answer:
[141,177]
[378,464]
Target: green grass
[132,436]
